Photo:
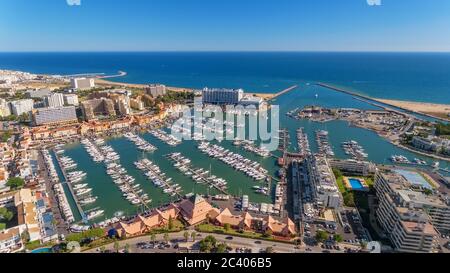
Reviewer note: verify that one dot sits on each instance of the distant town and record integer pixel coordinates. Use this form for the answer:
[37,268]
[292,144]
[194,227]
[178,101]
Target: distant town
[309,201]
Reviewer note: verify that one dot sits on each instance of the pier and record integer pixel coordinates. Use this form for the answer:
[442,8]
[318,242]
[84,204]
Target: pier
[374,102]
[194,172]
[287,90]
[72,192]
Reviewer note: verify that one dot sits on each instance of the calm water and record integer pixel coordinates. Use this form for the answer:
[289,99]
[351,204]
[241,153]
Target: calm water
[407,76]
[110,198]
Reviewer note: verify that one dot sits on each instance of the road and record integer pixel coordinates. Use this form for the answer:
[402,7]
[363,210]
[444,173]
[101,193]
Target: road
[236,242]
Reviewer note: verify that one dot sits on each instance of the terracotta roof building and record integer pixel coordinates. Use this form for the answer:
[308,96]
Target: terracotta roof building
[196,209]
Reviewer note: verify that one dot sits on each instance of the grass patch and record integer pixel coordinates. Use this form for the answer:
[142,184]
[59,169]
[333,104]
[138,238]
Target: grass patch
[209,228]
[2,226]
[37,244]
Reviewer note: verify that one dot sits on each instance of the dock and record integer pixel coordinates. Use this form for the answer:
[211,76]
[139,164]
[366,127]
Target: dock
[283,92]
[72,192]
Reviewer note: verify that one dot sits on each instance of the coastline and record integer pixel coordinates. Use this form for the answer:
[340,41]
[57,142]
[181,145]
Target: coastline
[409,106]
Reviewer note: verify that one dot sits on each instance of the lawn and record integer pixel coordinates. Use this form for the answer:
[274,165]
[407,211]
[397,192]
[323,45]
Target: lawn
[209,228]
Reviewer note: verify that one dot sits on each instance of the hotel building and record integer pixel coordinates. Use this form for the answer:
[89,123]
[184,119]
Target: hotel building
[222,96]
[20,107]
[410,218]
[82,83]
[4,108]
[53,116]
[71,99]
[54,100]
[155,90]
[95,107]
[322,178]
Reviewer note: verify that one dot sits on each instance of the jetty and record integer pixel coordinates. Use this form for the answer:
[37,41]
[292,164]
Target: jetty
[69,185]
[287,90]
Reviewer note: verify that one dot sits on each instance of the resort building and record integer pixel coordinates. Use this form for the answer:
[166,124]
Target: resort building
[196,210]
[409,217]
[55,116]
[432,144]
[137,104]
[352,166]
[4,108]
[155,90]
[54,100]
[222,96]
[71,99]
[82,83]
[97,107]
[20,107]
[326,191]
[145,223]
[246,221]
[28,220]
[10,241]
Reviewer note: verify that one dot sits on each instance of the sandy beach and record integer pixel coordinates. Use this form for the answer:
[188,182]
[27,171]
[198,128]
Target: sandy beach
[432,109]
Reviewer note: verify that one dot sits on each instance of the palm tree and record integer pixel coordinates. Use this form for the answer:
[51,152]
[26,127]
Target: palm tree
[193,235]
[153,237]
[116,246]
[166,237]
[186,235]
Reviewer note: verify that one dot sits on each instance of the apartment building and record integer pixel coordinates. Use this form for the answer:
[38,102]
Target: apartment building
[409,217]
[155,90]
[54,100]
[55,116]
[352,166]
[20,107]
[71,99]
[97,107]
[222,96]
[82,83]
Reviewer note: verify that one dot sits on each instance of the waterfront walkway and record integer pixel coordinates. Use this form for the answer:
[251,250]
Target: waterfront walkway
[283,92]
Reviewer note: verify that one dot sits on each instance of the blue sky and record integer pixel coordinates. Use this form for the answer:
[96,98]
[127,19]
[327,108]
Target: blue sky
[224,25]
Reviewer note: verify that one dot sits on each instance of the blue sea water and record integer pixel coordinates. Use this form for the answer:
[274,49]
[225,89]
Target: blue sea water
[404,76]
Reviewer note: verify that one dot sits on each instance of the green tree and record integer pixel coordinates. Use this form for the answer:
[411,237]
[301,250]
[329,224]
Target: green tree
[349,199]
[269,249]
[5,214]
[227,227]
[268,233]
[15,183]
[208,244]
[116,246]
[337,173]
[186,236]
[127,248]
[170,225]
[221,248]
[322,236]
[102,249]
[152,237]
[166,237]
[193,235]
[338,238]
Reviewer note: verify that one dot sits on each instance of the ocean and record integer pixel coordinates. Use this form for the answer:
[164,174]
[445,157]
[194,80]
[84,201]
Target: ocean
[403,76]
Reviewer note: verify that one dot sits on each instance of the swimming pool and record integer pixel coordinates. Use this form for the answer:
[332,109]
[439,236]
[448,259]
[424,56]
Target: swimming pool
[356,184]
[42,250]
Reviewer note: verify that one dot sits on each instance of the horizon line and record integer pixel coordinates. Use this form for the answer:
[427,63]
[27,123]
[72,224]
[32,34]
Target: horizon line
[224,51]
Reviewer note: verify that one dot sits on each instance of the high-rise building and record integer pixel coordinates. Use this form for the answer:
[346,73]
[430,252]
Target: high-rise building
[4,108]
[54,100]
[222,96]
[71,99]
[137,104]
[55,115]
[20,107]
[37,94]
[155,90]
[409,216]
[82,83]
[96,107]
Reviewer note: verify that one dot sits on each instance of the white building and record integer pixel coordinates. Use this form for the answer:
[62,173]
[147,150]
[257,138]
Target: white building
[4,108]
[54,100]
[10,241]
[82,83]
[71,99]
[325,186]
[20,107]
[56,115]
[222,96]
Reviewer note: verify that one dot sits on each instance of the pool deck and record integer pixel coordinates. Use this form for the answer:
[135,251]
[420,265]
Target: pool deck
[348,185]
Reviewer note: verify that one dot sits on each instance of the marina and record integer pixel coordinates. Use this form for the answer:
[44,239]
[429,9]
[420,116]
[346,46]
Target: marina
[165,137]
[238,162]
[323,143]
[199,175]
[140,143]
[353,149]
